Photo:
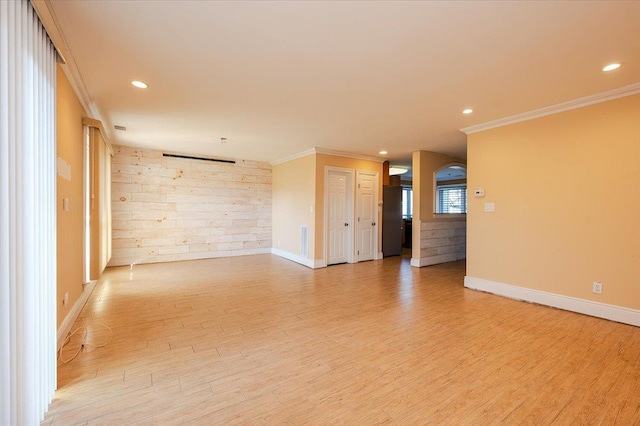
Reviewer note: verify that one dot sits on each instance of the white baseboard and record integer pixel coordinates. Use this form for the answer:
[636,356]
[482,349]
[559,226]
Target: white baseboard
[309,263]
[71,317]
[582,306]
[434,260]
[319,264]
[379,256]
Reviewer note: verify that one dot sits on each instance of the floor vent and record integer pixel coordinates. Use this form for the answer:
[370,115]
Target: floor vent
[304,241]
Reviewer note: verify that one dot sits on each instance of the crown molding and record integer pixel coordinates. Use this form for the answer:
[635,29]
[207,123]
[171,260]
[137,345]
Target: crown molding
[349,155]
[621,92]
[328,152]
[44,9]
[293,157]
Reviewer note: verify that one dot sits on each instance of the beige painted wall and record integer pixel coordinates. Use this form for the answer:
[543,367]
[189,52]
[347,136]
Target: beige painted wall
[293,199]
[168,209]
[566,190]
[69,147]
[433,243]
[323,160]
[425,165]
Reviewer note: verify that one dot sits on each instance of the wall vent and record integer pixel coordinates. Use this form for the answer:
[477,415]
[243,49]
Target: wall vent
[304,241]
[189,157]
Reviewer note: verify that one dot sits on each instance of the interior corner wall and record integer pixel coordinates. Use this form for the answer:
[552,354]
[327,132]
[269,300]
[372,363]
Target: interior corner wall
[566,190]
[324,160]
[95,203]
[294,206]
[435,238]
[70,223]
[169,209]
[100,207]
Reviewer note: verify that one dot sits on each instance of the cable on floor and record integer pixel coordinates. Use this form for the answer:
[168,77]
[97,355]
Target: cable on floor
[84,342]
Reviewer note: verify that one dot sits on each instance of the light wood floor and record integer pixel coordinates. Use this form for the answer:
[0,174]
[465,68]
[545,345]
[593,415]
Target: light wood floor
[261,340]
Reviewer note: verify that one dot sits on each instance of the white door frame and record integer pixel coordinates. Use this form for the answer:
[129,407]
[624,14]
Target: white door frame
[351,182]
[376,212]
[86,205]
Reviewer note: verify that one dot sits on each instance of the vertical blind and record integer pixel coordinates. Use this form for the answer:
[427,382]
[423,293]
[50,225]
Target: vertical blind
[27,216]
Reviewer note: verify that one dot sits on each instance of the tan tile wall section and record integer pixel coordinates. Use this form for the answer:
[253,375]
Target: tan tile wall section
[169,209]
[443,241]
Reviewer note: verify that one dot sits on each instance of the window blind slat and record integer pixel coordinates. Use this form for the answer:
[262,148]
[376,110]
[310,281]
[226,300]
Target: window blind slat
[451,199]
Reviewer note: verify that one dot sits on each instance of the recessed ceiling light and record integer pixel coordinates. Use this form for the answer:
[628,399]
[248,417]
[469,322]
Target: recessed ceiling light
[611,67]
[383,153]
[467,111]
[139,84]
[397,170]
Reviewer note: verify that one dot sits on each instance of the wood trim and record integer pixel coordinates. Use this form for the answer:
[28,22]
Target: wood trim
[327,152]
[377,214]
[71,317]
[294,157]
[568,303]
[309,263]
[621,92]
[349,155]
[385,173]
[92,122]
[434,260]
[352,193]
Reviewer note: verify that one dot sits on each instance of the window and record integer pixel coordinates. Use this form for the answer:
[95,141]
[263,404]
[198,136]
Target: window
[451,199]
[407,202]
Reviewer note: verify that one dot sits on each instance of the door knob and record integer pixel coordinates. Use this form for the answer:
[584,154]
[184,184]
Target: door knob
[346,224]
[373,224]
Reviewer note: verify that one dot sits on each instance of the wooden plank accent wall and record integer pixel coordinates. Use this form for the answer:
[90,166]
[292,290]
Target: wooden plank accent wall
[442,241]
[169,209]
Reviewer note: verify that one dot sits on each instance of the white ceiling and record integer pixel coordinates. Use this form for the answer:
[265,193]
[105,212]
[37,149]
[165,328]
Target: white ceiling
[451,173]
[278,78]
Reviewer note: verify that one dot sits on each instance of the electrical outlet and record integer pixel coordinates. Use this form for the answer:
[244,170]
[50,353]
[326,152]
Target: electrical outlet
[597,287]
[65,301]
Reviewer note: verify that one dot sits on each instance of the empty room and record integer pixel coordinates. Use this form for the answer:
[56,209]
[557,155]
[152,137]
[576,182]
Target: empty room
[319,212]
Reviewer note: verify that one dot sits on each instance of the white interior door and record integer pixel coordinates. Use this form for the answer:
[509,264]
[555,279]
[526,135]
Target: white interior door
[367,216]
[339,220]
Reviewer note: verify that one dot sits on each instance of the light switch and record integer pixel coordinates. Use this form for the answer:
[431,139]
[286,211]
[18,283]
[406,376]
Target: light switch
[478,192]
[65,204]
[489,207]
